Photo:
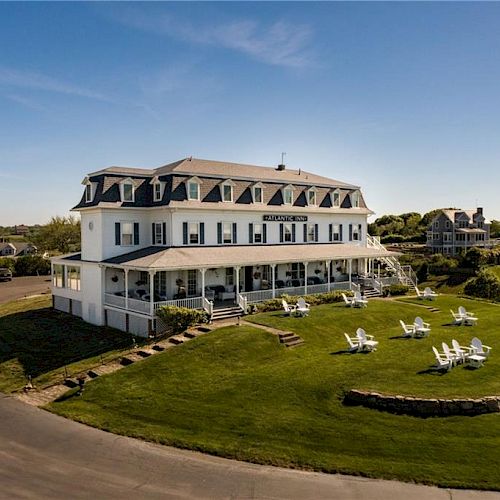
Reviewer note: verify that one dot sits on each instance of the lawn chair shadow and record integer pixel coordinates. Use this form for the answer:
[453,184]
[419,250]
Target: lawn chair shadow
[347,351]
[400,337]
[432,371]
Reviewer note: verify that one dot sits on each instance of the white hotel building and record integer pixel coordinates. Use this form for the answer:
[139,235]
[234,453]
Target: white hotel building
[210,235]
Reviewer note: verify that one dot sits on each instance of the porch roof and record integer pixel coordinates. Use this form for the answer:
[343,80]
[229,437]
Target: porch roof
[175,258]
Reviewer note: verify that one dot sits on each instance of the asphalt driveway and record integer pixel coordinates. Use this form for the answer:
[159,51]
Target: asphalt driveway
[46,456]
[24,286]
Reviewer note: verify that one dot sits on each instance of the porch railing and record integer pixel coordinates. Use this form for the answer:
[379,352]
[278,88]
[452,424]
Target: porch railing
[241,300]
[141,306]
[190,303]
[258,295]
[208,305]
[114,300]
[321,288]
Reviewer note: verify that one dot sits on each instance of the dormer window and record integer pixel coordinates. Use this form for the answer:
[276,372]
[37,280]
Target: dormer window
[336,198]
[157,191]
[193,189]
[355,199]
[288,195]
[258,193]
[227,191]
[89,195]
[311,197]
[127,190]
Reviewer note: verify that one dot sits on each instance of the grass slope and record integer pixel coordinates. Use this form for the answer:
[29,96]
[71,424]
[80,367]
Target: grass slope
[236,392]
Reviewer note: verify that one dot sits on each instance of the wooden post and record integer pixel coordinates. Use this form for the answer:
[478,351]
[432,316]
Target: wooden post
[305,277]
[328,264]
[273,276]
[126,288]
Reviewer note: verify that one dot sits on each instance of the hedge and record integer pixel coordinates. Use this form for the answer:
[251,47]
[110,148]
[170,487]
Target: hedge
[181,318]
[397,289]
[486,286]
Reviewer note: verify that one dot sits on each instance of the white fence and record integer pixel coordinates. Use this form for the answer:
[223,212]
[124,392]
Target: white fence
[190,303]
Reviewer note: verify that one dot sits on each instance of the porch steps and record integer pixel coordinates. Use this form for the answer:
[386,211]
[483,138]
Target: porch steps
[370,292]
[177,339]
[226,313]
[290,339]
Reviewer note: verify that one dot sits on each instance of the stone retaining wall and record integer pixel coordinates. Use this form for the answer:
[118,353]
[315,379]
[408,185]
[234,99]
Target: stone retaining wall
[422,407]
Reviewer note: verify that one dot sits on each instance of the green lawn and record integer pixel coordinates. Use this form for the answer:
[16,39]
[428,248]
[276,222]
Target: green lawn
[237,393]
[37,341]
[495,270]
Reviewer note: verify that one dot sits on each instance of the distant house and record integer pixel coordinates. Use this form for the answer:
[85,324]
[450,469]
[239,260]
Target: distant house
[453,231]
[16,249]
[21,230]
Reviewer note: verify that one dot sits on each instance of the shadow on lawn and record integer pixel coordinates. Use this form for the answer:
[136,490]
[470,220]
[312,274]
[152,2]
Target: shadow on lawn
[43,340]
[432,371]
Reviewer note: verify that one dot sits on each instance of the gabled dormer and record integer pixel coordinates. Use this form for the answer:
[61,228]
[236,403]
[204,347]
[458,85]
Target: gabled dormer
[127,190]
[227,191]
[355,199]
[158,187]
[287,192]
[90,189]
[312,193]
[193,188]
[335,197]
[258,192]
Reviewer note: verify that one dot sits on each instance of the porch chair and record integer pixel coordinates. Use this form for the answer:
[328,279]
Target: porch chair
[422,329]
[462,352]
[458,319]
[479,348]
[302,307]
[450,355]
[349,302]
[359,301]
[429,294]
[420,294]
[409,330]
[366,341]
[468,318]
[289,310]
[441,361]
[354,345]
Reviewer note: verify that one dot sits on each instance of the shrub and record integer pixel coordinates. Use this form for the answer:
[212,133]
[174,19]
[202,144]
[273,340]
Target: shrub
[397,289]
[313,300]
[486,285]
[31,265]
[181,318]
[8,262]
[423,272]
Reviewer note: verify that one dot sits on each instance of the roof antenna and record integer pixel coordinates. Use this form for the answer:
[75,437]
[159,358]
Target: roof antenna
[281,166]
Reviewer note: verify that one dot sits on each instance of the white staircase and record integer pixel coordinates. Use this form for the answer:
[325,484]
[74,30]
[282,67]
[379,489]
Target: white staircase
[405,274]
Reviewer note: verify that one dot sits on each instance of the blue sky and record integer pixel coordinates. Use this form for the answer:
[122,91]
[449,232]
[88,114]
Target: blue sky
[400,98]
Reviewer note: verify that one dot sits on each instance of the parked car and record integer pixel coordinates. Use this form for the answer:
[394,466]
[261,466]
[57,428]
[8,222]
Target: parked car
[5,274]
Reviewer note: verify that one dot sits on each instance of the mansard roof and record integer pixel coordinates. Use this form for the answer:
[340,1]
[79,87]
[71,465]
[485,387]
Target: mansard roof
[213,174]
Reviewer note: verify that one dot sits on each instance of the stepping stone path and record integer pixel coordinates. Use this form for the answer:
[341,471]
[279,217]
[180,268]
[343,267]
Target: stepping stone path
[45,396]
[290,339]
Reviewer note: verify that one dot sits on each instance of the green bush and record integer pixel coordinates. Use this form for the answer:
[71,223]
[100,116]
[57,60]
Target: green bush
[313,300]
[181,318]
[397,289]
[486,285]
[31,265]
[8,262]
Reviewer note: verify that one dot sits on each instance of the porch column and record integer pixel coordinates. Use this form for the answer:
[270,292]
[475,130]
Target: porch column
[273,279]
[126,288]
[152,292]
[203,271]
[305,277]
[237,278]
[328,264]
[349,267]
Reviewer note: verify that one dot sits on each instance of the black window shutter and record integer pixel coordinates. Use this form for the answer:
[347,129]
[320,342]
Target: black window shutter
[281,232]
[264,233]
[202,233]
[360,227]
[293,233]
[136,233]
[235,232]
[185,233]
[164,235]
[250,233]
[305,233]
[316,232]
[153,237]
[219,233]
[340,233]
[118,234]
[350,232]
[330,232]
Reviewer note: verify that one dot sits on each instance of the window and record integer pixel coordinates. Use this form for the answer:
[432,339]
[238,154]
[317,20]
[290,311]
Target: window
[336,198]
[436,225]
[257,194]
[336,232]
[88,192]
[311,197]
[160,283]
[193,191]
[298,271]
[288,232]
[58,276]
[127,234]
[227,232]
[447,237]
[158,235]
[257,233]
[194,233]
[229,276]
[447,224]
[74,278]
[288,196]
[311,233]
[127,191]
[157,191]
[356,233]
[355,199]
[192,282]
[227,192]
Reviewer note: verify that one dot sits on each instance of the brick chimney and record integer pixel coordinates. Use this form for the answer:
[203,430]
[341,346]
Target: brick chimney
[479,210]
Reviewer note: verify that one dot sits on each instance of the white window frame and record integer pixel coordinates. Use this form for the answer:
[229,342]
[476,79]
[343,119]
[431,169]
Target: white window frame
[312,191]
[122,233]
[259,234]
[73,283]
[58,279]
[193,181]
[355,233]
[127,182]
[224,225]
[355,199]
[229,184]
[197,226]
[336,232]
[156,234]
[311,233]
[289,189]
[157,190]
[290,225]
[335,194]
[89,192]
[254,197]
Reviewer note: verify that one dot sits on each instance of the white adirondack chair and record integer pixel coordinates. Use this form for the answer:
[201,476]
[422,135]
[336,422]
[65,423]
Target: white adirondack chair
[429,294]
[348,301]
[420,294]
[302,307]
[450,355]
[409,330]
[461,352]
[359,301]
[479,348]
[288,308]
[467,317]
[441,361]
[422,329]
[457,318]
[367,342]
[354,344]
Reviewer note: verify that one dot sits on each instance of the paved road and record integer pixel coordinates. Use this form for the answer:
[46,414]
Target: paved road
[23,287]
[46,456]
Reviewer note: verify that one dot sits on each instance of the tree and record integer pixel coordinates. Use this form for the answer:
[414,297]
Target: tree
[495,229]
[61,234]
